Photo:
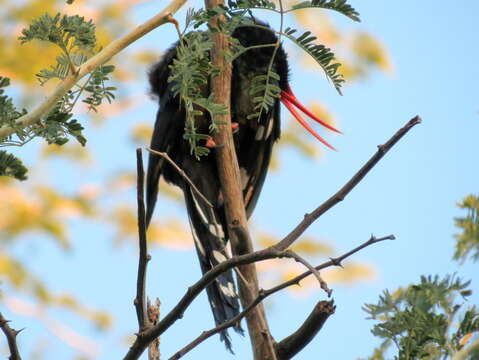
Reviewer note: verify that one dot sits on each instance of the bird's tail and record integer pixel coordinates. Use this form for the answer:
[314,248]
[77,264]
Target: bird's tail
[210,240]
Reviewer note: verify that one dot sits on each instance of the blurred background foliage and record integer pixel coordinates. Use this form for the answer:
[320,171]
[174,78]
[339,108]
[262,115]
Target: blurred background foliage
[36,209]
[431,319]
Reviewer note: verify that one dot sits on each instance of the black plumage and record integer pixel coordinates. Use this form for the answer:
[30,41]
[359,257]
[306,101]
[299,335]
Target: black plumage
[253,138]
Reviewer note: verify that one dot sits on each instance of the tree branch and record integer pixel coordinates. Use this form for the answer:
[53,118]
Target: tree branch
[337,261]
[180,171]
[11,335]
[153,311]
[99,59]
[144,257]
[290,346]
[351,184]
[229,175]
[263,294]
[313,270]
[276,251]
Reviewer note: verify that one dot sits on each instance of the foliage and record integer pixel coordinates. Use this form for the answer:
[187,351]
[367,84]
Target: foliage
[12,166]
[190,74]
[420,320]
[39,209]
[76,39]
[320,53]
[192,67]
[340,6]
[468,239]
[68,32]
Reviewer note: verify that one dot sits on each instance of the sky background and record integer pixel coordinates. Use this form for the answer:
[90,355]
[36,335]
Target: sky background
[411,193]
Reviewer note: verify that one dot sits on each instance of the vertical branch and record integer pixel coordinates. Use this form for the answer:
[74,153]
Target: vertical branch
[153,311]
[140,303]
[11,335]
[228,171]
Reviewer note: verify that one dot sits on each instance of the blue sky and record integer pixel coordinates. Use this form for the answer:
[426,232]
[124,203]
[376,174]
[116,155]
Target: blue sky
[411,193]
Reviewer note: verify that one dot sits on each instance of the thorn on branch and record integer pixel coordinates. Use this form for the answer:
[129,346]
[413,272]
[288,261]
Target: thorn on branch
[336,262]
[381,148]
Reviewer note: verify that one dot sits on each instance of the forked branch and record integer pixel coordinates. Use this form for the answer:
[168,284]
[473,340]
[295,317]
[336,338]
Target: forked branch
[288,346]
[276,251]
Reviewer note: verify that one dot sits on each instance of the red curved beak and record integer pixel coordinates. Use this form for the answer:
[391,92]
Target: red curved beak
[288,99]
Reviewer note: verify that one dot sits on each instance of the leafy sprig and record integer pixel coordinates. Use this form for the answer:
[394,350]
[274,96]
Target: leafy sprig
[340,6]
[320,53]
[419,319]
[468,239]
[189,75]
[76,38]
[12,166]
[68,32]
[192,66]
[265,91]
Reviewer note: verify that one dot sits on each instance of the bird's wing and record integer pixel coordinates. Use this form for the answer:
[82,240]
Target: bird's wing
[254,166]
[165,133]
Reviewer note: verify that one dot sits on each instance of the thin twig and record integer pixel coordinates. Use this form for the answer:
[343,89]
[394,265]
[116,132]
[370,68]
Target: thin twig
[99,59]
[263,294]
[315,272]
[276,251]
[182,174]
[337,261]
[346,189]
[140,301]
[11,335]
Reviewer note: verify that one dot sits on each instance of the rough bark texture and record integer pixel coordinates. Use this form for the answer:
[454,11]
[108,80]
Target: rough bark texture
[235,210]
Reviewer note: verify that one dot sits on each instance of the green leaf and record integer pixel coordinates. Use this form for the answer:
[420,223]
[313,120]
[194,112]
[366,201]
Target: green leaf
[418,319]
[12,166]
[8,111]
[65,31]
[340,6]
[468,239]
[320,53]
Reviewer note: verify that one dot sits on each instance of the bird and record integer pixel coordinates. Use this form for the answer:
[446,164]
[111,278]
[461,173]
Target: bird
[253,140]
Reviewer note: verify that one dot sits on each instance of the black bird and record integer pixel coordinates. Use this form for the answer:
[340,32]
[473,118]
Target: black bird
[254,139]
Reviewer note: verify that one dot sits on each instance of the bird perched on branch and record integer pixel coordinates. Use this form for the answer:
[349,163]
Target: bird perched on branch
[253,138]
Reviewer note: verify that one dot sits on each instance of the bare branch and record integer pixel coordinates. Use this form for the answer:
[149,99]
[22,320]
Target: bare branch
[263,294]
[290,346]
[231,189]
[182,173]
[144,257]
[99,59]
[346,189]
[337,261]
[313,270]
[11,335]
[276,251]
[154,316]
